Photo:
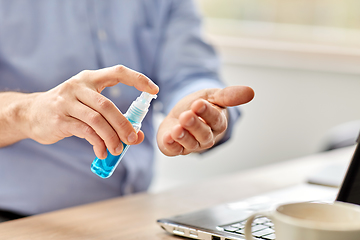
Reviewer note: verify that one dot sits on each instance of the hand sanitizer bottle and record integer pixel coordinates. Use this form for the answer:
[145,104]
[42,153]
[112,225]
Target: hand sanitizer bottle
[135,114]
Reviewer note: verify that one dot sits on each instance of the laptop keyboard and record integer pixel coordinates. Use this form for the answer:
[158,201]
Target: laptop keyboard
[262,228]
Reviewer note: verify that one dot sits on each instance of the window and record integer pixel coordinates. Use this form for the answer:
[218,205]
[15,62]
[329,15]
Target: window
[327,13]
[330,22]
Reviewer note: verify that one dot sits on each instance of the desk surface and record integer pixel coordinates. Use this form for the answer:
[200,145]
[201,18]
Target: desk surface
[134,217]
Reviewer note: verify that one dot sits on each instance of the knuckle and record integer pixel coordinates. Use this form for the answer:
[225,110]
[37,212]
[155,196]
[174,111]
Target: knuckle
[123,123]
[141,77]
[88,130]
[90,135]
[103,103]
[67,86]
[59,103]
[119,68]
[84,74]
[94,118]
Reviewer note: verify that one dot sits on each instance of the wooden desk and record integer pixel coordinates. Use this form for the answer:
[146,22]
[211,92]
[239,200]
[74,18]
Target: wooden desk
[134,217]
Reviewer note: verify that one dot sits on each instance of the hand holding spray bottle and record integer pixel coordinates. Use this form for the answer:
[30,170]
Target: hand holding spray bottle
[135,114]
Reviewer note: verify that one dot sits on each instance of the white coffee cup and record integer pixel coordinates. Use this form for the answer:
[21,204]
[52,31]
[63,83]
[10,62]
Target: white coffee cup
[312,221]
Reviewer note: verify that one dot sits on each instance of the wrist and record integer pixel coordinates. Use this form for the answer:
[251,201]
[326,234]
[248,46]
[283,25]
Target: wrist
[16,116]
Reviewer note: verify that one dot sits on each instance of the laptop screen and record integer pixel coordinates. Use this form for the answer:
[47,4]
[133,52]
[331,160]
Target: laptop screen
[350,189]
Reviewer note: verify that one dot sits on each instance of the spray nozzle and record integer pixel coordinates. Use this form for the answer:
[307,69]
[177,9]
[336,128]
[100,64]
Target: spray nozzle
[143,102]
[140,107]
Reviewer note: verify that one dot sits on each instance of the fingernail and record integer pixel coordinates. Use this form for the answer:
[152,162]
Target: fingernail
[104,155]
[119,148]
[132,137]
[152,85]
[201,110]
[182,134]
[190,122]
[171,141]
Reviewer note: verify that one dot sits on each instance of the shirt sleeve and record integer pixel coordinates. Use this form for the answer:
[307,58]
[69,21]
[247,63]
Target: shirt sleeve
[186,62]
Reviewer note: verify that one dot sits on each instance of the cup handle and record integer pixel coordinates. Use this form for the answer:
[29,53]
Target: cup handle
[248,232]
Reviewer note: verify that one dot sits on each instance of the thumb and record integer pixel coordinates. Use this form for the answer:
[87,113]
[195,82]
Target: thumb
[231,96]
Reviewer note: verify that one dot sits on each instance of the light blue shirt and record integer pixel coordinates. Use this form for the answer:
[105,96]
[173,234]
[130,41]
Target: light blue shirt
[45,42]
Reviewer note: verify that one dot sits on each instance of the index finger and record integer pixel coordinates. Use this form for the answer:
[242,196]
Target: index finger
[107,77]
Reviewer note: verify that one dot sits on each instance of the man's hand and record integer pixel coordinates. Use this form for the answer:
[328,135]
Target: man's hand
[77,108]
[199,120]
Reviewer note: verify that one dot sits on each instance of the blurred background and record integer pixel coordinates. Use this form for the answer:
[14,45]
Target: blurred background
[302,58]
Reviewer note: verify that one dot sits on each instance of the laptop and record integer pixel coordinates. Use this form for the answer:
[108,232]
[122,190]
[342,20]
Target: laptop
[227,221]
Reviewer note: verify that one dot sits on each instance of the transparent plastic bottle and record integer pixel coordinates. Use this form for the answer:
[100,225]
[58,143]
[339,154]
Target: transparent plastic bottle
[135,114]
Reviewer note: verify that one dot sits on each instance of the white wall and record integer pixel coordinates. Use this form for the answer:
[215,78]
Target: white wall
[293,109]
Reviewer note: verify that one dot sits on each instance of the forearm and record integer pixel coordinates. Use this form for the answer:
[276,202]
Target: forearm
[13,117]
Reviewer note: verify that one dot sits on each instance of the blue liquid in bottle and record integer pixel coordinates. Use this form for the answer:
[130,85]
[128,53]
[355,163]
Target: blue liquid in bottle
[105,167]
[135,114]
